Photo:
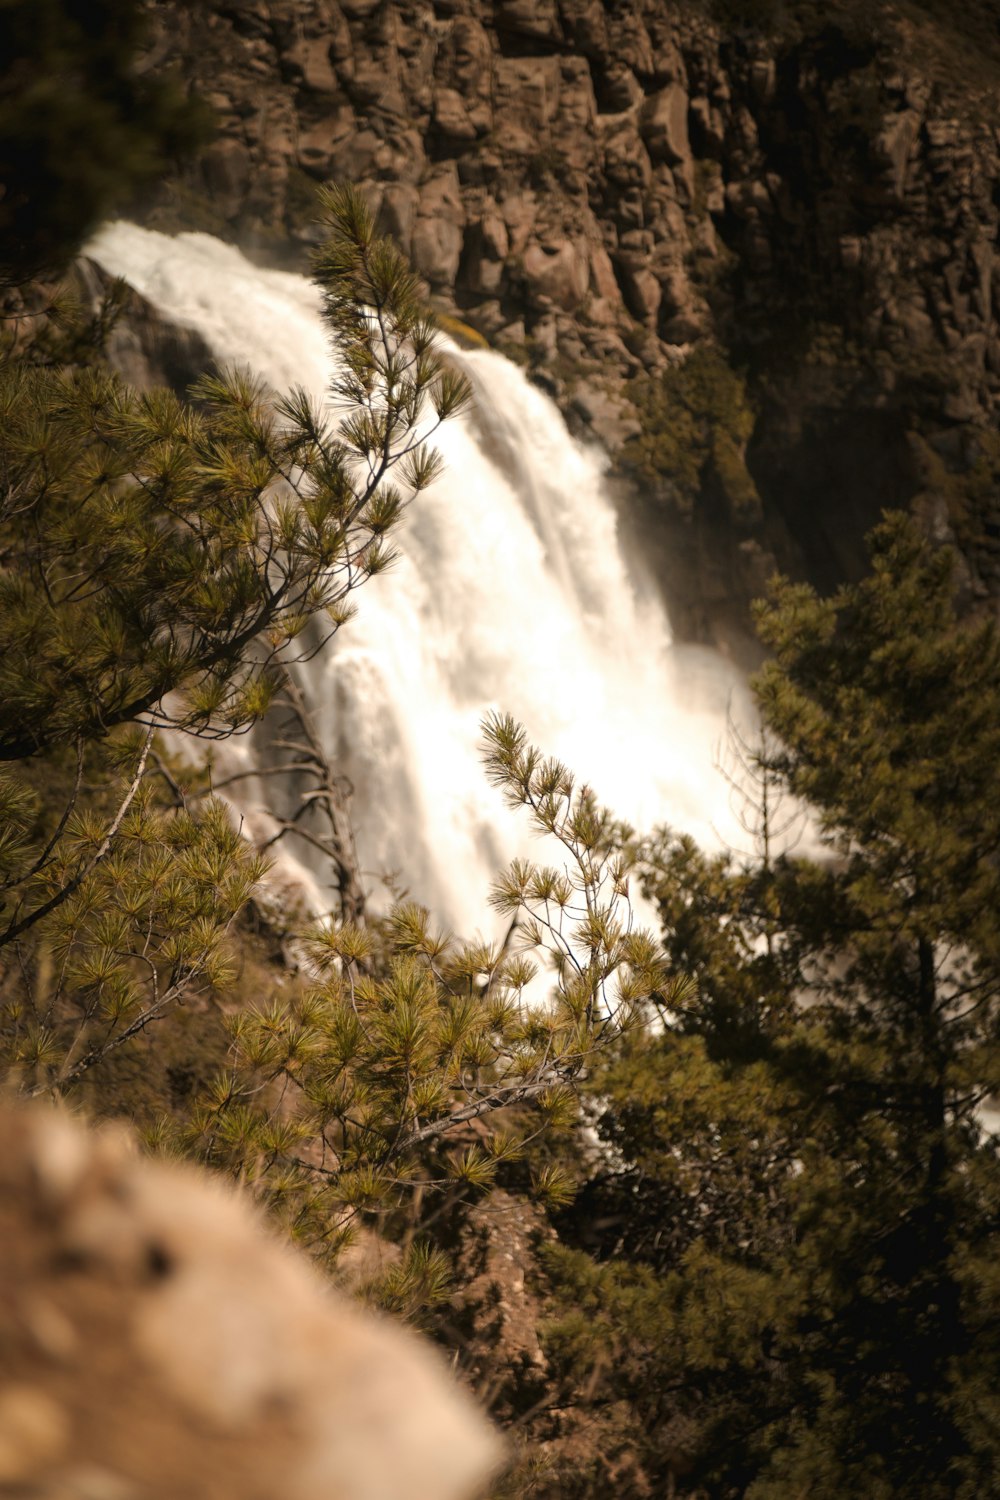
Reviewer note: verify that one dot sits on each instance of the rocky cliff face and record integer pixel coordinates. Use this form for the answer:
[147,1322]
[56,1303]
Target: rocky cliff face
[604,189]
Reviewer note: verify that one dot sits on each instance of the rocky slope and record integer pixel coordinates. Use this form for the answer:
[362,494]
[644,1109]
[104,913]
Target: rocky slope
[803,197]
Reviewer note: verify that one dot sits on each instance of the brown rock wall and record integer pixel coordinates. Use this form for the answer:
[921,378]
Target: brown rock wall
[604,186]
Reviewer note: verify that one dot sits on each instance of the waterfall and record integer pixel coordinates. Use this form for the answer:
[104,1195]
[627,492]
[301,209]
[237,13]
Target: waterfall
[511,592]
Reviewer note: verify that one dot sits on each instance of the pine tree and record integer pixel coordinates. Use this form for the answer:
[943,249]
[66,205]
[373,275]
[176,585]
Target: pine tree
[160,560]
[887,708]
[374,1083]
[800,1158]
[163,560]
[155,547]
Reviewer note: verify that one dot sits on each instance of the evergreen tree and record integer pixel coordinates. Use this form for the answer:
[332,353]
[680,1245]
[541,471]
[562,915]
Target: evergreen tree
[373,1083]
[800,1157]
[887,708]
[160,559]
[155,547]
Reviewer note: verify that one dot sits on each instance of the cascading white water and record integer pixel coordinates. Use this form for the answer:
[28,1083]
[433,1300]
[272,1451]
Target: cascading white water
[511,592]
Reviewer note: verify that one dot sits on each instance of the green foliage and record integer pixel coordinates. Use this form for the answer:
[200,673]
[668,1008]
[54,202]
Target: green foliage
[606,970]
[421,1279]
[359,1090]
[888,708]
[965,484]
[793,1285]
[134,921]
[52,328]
[799,1183]
[81,125]
[151,546]
[160,560]
[696,422]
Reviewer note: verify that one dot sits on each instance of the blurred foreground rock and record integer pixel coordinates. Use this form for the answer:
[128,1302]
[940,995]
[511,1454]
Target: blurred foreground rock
[156,1341]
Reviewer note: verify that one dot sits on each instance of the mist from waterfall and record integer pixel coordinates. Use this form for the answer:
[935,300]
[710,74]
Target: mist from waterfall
[511,592]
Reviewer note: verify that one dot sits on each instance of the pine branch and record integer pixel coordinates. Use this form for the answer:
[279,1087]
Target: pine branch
[15,929]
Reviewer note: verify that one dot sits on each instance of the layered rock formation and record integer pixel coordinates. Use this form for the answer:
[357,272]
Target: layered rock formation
[157,1341]
[602,188]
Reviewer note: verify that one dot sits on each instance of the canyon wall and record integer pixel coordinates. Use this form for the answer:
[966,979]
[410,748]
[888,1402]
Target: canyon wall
[751,247]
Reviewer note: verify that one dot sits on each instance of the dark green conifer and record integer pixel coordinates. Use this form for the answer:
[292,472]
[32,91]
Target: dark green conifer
[159,560]
[800,1150]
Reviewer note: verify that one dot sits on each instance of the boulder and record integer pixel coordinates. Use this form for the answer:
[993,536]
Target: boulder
[398,212]
[620,89]
[626,161]
[309,58]
[710,130]
[643,294]
[630,42]
[894,146]
[352,158]
[585,24]
[375,85]
[577,108]
[436,250]
[560,273]
[529,18]
[486,245]
[519,212]
[663,121]
[468,56]
[160,1341]
[317,143]
[527,99]
[453,117]
[668,59]
[493,231]
[603,282]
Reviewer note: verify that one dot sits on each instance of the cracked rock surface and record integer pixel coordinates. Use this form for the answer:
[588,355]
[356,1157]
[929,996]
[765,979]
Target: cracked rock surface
[602,188]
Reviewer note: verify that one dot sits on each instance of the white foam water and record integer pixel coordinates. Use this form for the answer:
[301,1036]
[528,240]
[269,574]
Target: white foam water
[511,591]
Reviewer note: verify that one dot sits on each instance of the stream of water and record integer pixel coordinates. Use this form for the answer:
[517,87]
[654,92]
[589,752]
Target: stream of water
[512,591]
